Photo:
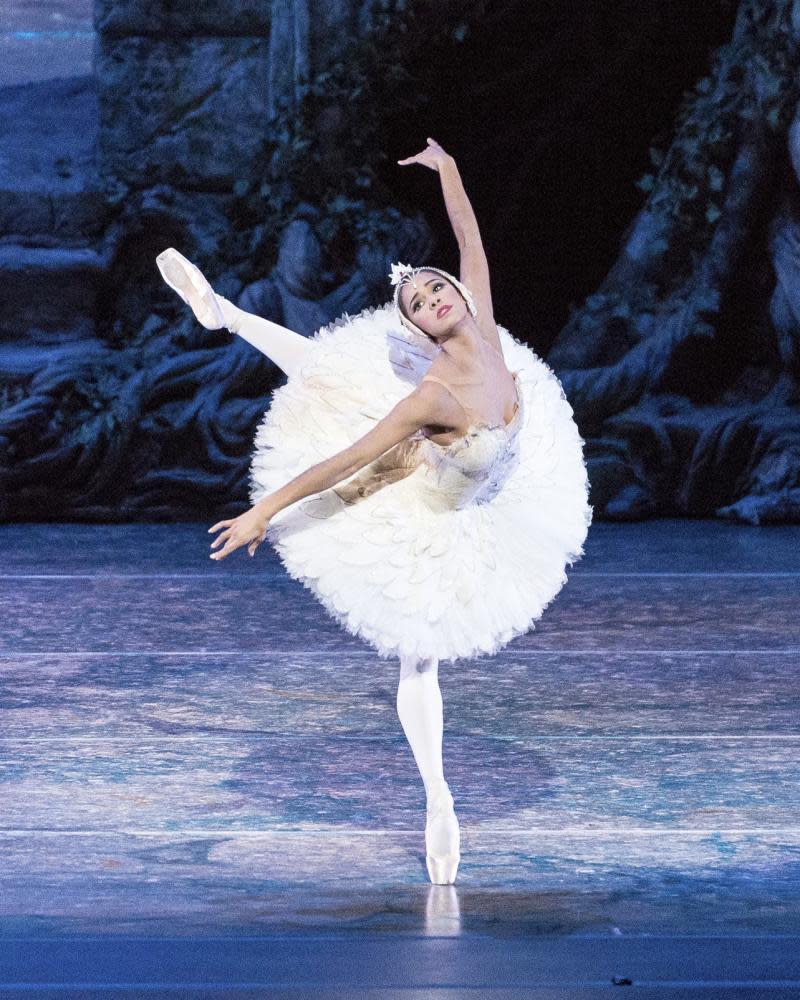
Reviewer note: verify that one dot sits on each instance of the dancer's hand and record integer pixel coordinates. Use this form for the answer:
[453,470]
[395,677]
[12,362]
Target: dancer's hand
[432,156]
[248,529]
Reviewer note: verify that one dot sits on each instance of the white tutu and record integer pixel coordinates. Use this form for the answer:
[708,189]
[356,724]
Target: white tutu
[429,551]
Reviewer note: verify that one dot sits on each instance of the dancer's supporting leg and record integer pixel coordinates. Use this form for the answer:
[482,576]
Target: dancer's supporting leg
[289,350]
[419,705]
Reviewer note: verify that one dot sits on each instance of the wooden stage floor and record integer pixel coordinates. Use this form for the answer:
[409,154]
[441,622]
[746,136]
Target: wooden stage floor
[205,790]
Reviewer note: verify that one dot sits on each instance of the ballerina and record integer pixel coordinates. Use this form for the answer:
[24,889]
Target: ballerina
[434,523]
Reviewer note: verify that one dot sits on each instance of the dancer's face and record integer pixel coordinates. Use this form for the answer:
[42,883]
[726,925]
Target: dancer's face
[435,305]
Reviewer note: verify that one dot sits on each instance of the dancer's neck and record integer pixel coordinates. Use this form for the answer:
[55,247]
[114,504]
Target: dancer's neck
[462,341]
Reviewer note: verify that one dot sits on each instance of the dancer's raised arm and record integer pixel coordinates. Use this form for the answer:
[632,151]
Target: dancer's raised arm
[474,266]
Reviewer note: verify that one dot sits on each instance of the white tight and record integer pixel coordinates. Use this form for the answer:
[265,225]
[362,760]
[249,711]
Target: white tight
[419,698]
[289,350]
[419,705]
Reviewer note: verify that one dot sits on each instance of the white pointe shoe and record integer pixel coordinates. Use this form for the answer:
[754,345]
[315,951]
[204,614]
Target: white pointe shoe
[189,282]
[442,835]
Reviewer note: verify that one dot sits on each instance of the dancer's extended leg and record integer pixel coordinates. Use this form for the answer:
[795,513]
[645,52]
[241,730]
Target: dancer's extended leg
[285,347]
[419,705]
[289,350]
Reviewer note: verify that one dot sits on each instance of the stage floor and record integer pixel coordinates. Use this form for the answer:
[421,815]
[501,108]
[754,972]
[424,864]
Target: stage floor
[206,790]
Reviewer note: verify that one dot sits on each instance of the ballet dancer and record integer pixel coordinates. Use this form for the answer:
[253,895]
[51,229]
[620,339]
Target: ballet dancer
[446,526]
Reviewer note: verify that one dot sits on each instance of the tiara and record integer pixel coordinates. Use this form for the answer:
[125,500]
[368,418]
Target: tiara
[401,273]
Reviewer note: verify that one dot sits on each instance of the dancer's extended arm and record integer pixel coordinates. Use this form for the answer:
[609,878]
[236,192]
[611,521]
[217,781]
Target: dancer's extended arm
[427,404]
[289,350]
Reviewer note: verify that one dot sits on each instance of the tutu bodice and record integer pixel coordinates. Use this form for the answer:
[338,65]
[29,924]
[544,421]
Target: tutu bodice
[474,467]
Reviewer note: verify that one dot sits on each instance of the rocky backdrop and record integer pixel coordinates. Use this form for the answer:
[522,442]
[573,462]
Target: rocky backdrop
[259,138]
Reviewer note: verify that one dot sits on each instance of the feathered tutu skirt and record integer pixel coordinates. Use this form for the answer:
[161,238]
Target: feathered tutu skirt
[409,567]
